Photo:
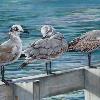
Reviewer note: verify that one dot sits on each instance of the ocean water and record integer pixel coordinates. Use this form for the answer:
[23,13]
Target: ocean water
[70,17]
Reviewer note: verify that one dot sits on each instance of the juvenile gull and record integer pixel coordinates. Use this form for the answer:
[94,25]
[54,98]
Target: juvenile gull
[11,50]
[49,47]
[89,42]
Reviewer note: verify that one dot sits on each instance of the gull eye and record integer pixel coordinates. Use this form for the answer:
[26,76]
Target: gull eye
[16,29]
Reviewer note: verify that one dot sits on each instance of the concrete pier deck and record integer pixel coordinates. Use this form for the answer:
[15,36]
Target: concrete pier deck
[40,86]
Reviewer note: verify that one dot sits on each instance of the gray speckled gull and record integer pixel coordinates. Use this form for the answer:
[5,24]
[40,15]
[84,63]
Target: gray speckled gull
[51,46]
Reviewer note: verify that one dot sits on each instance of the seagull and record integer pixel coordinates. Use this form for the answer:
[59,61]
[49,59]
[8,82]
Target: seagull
[11,50]
[49,47]
[88,43]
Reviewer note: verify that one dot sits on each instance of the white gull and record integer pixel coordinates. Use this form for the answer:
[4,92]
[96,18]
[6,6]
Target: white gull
[49,47]
[11,50]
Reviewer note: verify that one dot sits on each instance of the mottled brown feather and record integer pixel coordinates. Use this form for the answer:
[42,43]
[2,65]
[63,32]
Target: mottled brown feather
[85,45]
[5,49]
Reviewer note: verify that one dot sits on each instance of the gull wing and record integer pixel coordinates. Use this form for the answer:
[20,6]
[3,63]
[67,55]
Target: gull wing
[6,47]
[87,46]
[86,43]
[7,52]
[47,48]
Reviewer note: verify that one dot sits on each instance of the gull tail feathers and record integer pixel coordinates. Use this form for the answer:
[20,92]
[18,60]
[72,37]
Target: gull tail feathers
[72,45]
[26,62]
[23,65]
[71,48]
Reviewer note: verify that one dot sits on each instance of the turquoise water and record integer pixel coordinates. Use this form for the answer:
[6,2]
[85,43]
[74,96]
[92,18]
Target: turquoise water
[76,95]
[70,17]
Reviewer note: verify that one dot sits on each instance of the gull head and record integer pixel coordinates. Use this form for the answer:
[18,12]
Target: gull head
[47,31]
[17,29]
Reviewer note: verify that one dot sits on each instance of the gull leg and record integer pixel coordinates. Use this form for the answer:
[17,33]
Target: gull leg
[2,74]
[50,70]
[89,61]
[3,77]
[46,64]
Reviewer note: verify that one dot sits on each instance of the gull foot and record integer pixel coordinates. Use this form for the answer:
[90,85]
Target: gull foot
[93,67]
[7,82]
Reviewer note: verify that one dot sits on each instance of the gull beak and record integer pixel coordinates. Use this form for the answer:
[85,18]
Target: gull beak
[26,31]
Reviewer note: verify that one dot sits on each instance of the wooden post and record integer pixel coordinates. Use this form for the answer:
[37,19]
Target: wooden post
[36,90]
